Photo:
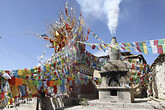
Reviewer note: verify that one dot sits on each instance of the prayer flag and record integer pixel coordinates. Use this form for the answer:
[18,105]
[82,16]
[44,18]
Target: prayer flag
[154,49]
[160,49]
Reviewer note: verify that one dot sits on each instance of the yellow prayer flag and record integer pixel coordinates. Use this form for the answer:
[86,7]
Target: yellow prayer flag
[33,89]
[24,81]
[141,66]
[30,82]
[14,90]
[127,48]
[145,49]
[144,43]
[129,44]
[100,48]
[74,48]
[82,21]
[58,82]
[82,36]
[28,72]
[105,47]
[47,68]
[45,77]
[117,44]
[54,83]
[21,73]
[75,60]
[115,47]
[79,29]
[109,45]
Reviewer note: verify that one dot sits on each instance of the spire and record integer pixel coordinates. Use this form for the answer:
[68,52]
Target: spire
[114,54]
[113,41]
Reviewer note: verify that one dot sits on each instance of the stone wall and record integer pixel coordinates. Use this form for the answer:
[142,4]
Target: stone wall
[88,90]
[158,78]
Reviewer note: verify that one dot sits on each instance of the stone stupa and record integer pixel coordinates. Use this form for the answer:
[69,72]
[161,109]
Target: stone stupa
[115,77]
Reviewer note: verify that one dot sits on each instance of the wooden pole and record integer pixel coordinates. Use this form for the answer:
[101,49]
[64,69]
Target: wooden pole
[37,106]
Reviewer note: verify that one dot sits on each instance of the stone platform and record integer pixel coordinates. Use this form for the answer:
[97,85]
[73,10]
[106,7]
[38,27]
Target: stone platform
[139,104]
[116,94]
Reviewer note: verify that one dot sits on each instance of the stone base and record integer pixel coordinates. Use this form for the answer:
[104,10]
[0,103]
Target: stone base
[123,94]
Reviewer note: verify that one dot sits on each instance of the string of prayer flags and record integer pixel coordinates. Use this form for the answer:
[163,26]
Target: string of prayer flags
[147,47]
[95,36]
[143,43]
[40,62]
[64,32]
[157,49]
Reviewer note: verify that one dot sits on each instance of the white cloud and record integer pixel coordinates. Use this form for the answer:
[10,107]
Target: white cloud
[92,7]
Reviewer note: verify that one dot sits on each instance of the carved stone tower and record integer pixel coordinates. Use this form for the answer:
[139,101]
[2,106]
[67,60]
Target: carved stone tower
[114,78]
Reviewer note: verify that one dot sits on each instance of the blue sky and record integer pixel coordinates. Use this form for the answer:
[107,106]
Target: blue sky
[21,21]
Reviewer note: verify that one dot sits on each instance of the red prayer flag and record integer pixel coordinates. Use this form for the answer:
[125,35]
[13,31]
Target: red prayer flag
[155,42]
[124,45]
[137,44]
[88,31]
[123,48]
[160,49]
[138,49]
[66,11]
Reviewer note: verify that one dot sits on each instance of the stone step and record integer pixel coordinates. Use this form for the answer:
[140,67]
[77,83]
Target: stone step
[137,105]
[103,107]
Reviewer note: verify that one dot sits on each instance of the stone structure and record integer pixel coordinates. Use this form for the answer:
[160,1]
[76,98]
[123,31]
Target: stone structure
[115,76]
[158,77]
[140,91]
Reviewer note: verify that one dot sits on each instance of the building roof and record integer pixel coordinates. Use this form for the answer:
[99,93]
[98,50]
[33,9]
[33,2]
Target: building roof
[158,59]
[128,55]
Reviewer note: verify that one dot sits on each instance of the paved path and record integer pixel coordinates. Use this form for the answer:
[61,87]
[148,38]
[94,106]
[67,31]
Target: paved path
[30,105]
[140,104]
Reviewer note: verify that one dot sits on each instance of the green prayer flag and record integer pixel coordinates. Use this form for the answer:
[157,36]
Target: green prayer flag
[32,70]
[163,46]
[36,83]
[130,60]
[142,49]
[160,42]
[60,82]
